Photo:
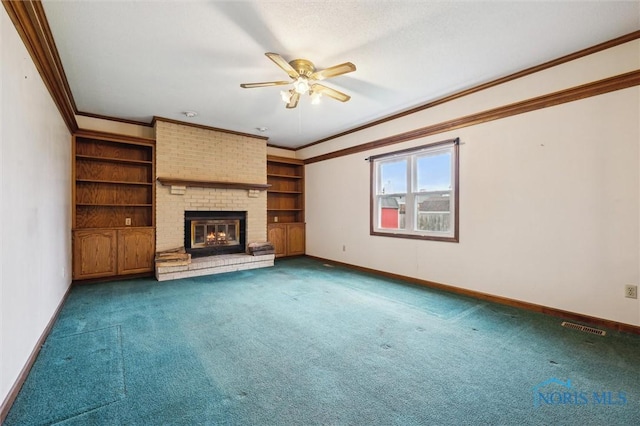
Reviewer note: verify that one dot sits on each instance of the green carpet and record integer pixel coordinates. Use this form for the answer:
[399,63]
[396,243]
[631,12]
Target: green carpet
[303,344]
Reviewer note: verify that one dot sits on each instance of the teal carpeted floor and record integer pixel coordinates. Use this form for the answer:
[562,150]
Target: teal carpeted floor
[302,343]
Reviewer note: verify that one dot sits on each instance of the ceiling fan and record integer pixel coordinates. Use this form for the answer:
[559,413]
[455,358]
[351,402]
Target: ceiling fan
[304,78]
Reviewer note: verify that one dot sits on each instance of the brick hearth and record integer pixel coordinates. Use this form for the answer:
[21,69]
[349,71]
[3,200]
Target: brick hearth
[214,265]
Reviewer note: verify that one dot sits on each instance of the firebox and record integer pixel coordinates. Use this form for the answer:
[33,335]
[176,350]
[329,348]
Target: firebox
[207,233]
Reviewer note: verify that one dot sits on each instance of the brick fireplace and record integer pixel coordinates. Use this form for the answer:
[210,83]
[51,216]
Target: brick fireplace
[199,156]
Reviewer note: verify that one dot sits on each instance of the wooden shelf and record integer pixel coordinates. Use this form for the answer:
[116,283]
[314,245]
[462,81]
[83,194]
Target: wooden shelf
[283,176]
[285,198]
[113,228]
[113,160]
[111,217]
[110,169]
[113,205]
[113,182]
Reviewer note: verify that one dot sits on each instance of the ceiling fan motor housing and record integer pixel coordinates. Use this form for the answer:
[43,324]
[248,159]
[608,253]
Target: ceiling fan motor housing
[303,67]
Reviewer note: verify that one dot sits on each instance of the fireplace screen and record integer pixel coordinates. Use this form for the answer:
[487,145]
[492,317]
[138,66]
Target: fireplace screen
[207,233]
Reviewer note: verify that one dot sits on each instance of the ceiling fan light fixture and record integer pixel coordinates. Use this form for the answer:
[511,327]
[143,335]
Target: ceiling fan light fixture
[285,95]
[301,85]
[315,98]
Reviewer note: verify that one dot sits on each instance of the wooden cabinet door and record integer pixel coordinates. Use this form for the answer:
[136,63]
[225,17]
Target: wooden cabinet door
[136,249]
[277,235]
[295,239]
[94,253]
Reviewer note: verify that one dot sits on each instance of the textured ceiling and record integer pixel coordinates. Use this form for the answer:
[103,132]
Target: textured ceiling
[137,59]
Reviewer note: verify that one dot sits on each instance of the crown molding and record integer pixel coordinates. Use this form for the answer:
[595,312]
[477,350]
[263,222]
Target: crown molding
[119,120]
[567,58]
[599,87]
[31,23]
[281,147]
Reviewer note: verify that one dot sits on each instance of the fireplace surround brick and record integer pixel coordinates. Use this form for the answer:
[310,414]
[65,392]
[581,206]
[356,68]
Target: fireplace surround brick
[188,152]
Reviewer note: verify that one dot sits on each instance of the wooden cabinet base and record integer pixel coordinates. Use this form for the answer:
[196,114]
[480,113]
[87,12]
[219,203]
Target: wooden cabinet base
[288,239]
[277,235]
[136,250]
[99,253]
[295,239]
[94,253]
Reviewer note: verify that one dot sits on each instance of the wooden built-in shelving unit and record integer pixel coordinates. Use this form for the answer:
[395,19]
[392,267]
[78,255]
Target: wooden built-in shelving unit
[285,205]
[113,205]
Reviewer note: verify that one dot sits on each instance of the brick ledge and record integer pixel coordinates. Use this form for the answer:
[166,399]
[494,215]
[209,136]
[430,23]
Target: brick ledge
[214,265]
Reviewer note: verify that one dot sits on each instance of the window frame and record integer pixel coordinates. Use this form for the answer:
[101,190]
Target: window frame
[409,154]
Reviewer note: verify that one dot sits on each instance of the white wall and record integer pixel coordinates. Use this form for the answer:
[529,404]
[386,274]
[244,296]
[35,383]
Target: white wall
[549,200]
[35,225]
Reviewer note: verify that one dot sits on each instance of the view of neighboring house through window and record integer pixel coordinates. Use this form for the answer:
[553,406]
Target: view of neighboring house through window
[414,192]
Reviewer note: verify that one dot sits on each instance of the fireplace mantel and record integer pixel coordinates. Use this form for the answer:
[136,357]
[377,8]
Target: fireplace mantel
[213,184]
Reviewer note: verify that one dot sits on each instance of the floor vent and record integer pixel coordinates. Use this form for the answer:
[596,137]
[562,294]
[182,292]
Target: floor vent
[584,328]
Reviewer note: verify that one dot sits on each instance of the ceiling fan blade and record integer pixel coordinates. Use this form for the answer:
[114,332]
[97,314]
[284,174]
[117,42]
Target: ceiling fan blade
[333,71]
[280,61]
[293,102]
[332,93]
[266,84]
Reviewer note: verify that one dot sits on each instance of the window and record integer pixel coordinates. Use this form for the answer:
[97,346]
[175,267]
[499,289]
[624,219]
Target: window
[414,193]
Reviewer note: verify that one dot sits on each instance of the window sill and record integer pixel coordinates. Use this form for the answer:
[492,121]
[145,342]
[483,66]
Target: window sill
[450,239]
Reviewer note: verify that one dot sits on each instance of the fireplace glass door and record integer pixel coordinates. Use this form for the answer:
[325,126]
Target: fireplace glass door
[208,233]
